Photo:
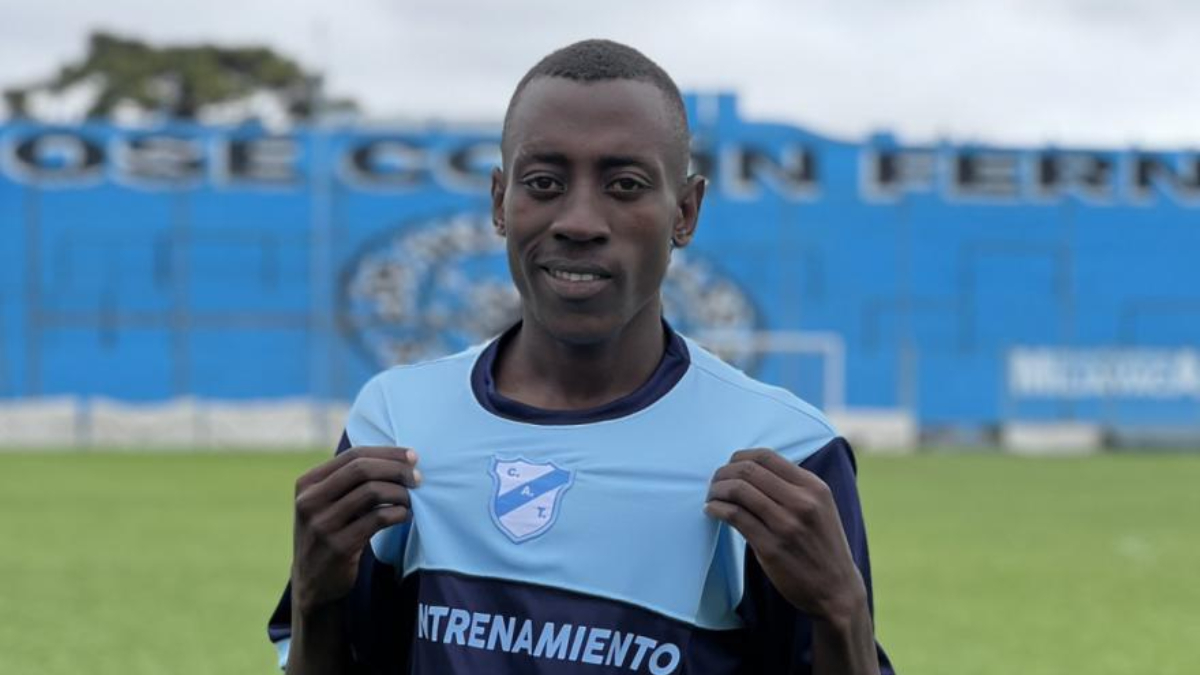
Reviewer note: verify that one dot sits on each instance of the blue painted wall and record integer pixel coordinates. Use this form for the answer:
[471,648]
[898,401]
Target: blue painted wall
[228,263]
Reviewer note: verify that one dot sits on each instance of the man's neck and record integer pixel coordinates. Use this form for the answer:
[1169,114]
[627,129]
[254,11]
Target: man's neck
[541,371]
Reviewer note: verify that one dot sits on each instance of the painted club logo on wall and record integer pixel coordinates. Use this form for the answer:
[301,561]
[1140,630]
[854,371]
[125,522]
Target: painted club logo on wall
[437,286]
[527,496]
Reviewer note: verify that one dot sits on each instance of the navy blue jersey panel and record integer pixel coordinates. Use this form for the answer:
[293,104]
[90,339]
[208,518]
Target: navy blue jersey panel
[475,625]
[781,635]
[671,368]
[380,615]
[279,626]
[343,444]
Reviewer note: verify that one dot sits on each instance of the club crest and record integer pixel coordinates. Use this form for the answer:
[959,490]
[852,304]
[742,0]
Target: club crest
[527,496]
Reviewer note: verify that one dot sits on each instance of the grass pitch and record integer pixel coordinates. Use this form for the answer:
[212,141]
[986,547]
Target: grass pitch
[115,563]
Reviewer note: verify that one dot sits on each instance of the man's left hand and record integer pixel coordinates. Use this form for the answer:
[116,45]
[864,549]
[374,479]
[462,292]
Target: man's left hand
[790,520]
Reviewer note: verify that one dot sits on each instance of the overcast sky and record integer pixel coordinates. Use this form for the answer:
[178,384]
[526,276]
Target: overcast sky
[1082,72]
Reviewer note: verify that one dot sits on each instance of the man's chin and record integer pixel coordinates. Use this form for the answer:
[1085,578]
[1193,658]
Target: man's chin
[583,334]
[581,330]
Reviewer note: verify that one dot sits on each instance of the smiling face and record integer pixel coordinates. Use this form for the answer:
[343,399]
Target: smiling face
[590,200]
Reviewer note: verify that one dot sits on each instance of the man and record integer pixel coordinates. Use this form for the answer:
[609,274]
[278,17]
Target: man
[591,492]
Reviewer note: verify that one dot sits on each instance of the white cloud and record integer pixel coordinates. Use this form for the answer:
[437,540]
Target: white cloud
[1098,72]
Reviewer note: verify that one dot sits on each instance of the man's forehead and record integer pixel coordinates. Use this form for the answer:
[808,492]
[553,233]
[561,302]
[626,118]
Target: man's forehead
[625,118]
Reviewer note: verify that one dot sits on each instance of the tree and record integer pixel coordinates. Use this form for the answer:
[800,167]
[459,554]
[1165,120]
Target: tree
[192,82]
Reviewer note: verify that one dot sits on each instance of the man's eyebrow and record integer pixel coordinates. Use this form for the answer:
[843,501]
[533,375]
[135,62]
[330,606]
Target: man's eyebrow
[606,162]
[615,161]
[556,158]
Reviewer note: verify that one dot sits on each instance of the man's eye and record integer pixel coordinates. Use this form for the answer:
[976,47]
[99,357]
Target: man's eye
[543,184]
[627,185]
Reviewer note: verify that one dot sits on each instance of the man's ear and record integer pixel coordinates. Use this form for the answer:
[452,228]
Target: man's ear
[687,216]
[498,182]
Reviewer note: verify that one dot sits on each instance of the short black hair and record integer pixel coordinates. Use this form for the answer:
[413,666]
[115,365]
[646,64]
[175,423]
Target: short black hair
[599,60]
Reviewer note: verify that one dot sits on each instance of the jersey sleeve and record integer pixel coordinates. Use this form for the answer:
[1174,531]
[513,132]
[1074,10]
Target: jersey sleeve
[370,419]
[781,635]
[372,609]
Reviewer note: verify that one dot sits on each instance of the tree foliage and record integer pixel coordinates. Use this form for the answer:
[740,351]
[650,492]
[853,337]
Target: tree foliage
[179,81]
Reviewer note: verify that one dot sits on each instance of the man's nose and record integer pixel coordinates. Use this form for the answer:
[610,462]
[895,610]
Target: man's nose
[582,219]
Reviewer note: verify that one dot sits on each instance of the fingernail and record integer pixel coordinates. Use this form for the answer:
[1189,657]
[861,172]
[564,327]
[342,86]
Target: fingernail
[416,476]
[411,456]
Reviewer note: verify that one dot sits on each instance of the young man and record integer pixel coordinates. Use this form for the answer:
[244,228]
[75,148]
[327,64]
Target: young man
[591,492]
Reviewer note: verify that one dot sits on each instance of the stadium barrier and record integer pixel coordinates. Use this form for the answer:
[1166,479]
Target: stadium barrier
[39,422]
[877,430]
[1052,438]
[299,424]
[292,424]
[182,424]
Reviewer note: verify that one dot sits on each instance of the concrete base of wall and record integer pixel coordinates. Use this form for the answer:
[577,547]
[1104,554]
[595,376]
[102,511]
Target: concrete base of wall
[296,424]
[1052,438]
[40,423]
[181,423]
[877,430]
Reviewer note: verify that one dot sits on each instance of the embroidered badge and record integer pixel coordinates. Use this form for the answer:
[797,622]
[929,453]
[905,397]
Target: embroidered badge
[527,497]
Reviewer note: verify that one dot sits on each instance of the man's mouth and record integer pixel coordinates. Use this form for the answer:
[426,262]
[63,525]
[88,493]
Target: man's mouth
[573,276]
[577,282]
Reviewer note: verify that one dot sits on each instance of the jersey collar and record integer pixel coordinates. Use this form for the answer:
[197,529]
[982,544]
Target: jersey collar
[670,370]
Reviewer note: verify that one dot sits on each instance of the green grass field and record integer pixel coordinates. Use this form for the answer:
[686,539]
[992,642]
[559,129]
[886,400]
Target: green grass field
[114,563]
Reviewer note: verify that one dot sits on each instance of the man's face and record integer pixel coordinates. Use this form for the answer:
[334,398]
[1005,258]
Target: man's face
[590,202]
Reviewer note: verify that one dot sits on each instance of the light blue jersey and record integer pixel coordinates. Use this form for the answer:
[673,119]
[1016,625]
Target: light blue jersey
[573,543]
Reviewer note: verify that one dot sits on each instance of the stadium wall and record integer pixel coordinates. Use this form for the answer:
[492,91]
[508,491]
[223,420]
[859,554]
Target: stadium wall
[935,290]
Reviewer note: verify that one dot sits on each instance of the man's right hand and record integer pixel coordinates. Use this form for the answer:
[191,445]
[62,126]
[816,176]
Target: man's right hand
[339,506]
